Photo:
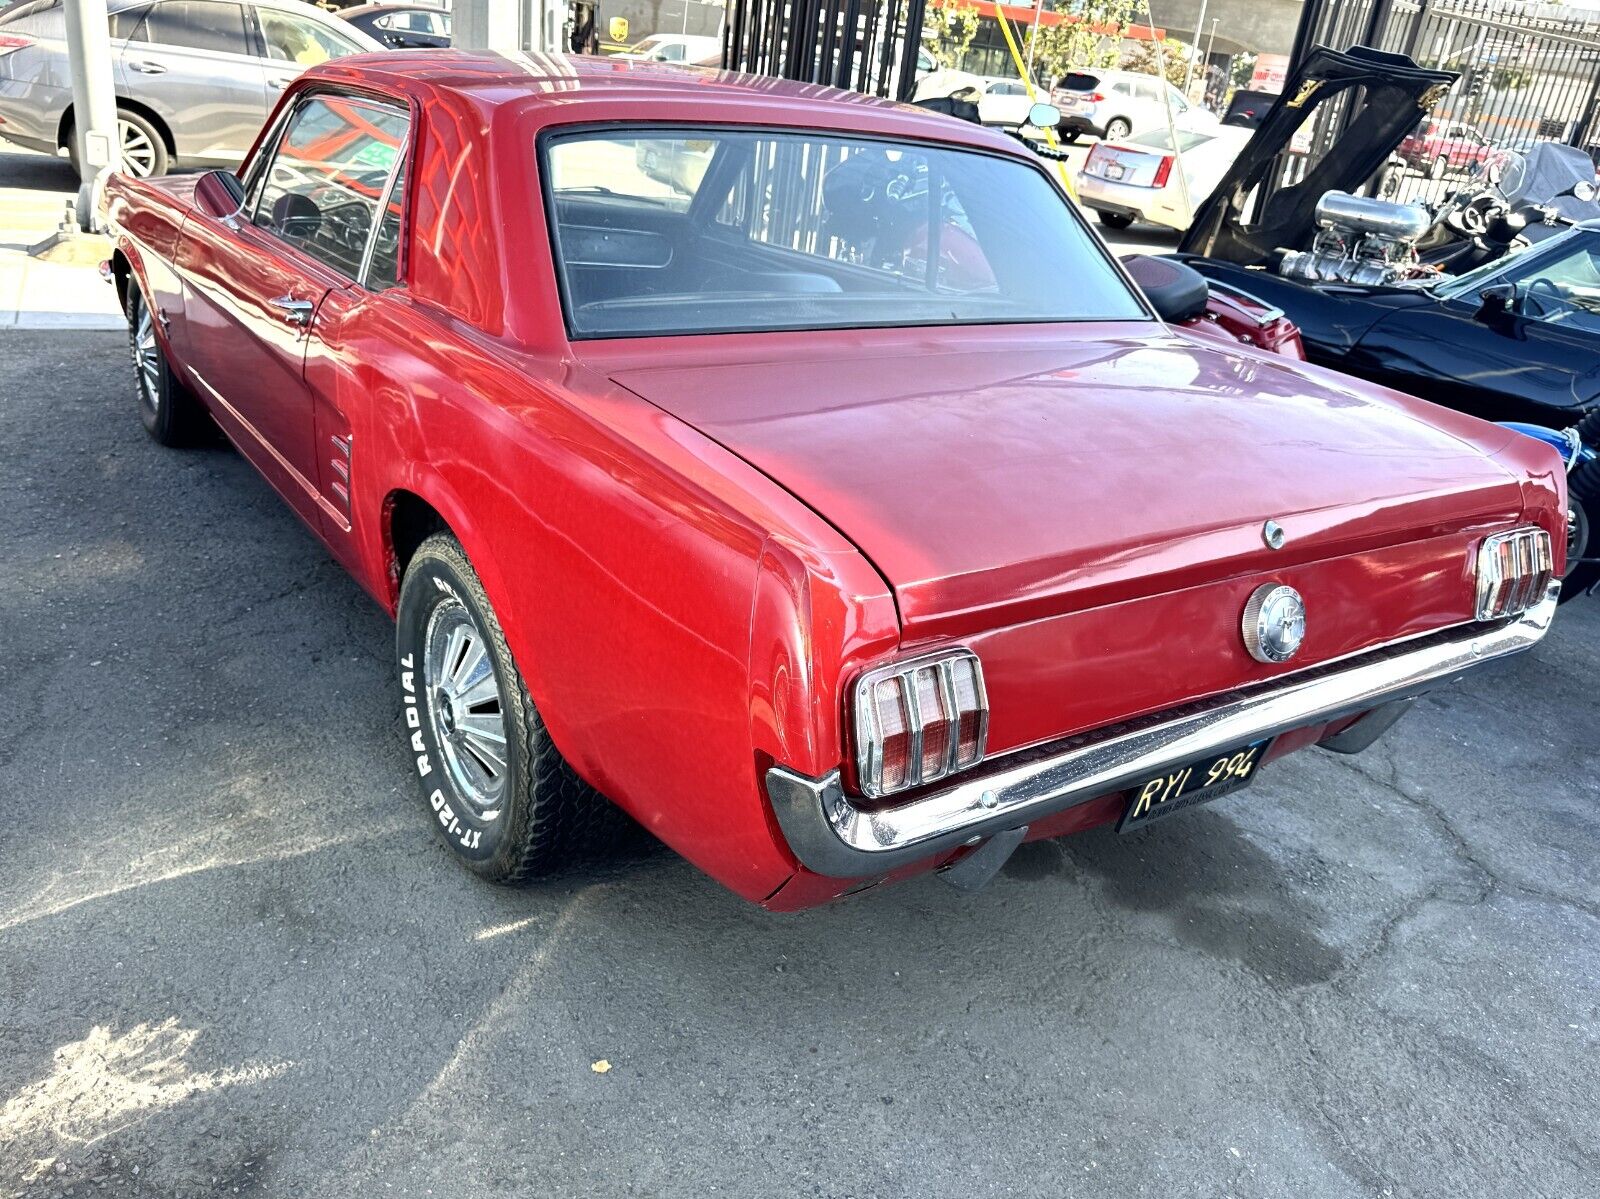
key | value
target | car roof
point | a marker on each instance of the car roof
(578, 86)
(374, 10)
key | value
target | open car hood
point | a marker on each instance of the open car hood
(1397, 94)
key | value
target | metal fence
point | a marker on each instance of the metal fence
(869, 46)
(1528, 72)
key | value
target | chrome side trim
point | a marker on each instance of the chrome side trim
(831, 835)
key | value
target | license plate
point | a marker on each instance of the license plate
(1197, 783)
(1114, 170)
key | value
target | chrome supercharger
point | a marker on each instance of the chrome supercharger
(1360, 239)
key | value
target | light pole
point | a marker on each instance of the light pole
(96, 137)
(1033, 36)
(1188, 75)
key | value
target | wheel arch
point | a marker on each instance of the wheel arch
(157, 122)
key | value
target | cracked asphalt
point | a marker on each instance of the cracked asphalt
(234, 959)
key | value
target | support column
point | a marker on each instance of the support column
(488, 25)
(94, 102)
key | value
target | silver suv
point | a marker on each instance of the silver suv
(195, 78)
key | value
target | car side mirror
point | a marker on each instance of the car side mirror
(1044, 116)
(1499, 299)
(1176, 291)
(219, 194)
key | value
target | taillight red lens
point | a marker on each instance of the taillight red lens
(1097, 97)
(919, 720)
(13, 41)
(1163, 171)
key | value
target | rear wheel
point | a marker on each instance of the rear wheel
(144, 150)
(501, 795)
(1113, 220)
(1583, 531)
(1117, 129)
(1438, 167)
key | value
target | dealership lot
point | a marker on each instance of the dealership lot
(233, 955)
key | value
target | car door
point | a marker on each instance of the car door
(193, 63)
(1539, 362)
(254, 284)
(293, 41)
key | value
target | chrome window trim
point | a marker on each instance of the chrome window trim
(830, 834)
(378, 216)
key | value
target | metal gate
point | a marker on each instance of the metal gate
(1529, 72)
(870, 46)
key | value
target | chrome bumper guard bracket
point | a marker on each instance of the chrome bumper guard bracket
(832, 836)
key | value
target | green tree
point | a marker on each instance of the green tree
(1142, 57)
(1090, 36)
(953, 24)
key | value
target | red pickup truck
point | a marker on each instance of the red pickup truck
(1440, 146)
(793, 502)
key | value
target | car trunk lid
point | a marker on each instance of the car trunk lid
(995, 475)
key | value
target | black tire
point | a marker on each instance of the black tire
(1068, 136)
(540, 815)
(1117, 128)
(166, 409)
(1583, 493)
(1113, 220)
(144, 149)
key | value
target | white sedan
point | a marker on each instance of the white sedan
(1138, 179)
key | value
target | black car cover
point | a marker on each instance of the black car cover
(1382, 95)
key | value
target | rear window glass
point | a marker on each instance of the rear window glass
(1078, 81)
(731, 230)
(1161, 139)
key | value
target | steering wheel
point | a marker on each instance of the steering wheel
(1542, 286)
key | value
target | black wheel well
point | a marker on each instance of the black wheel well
(122, 273)
(410, 520)
(64, 130)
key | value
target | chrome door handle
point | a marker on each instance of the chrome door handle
(148, 68)
(278, 85)
(297, 312)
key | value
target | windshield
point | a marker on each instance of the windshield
(1514, 267)
(716, 230)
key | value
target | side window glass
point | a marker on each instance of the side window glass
(384, 270)
(291, 38)
(196, 25)
(327, 175)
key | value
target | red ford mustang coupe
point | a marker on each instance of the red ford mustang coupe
(798, 471)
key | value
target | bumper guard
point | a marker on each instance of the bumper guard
(832, 836)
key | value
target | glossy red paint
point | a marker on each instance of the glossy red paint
(695, 543)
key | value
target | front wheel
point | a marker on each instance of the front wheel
(500, 794)
(1438, 167)
(167, 411)
(1118, 129)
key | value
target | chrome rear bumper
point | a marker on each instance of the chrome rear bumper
(832, 836)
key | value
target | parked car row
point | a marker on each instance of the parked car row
(195, 79)
(767, 483)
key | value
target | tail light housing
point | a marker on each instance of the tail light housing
(13, 41)
(1163, 171)
(1514, 571)
(919, 720)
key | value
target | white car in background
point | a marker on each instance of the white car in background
(1120, 104)
(1138, 178)
(689, 48)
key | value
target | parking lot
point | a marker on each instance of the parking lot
(234, 957)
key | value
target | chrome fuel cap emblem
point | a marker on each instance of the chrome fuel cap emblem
(1274, 623)
(1272, 533)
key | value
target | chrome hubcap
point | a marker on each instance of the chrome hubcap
(146, 357)
(464, 705)
(138, 154)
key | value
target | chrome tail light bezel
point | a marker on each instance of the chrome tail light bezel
(1531, 557)
(869, 737)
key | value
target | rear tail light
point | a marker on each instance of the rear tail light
(1097, 97)
(13, 41)
(1514, 571)
(919, 720)
(1163, 171)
